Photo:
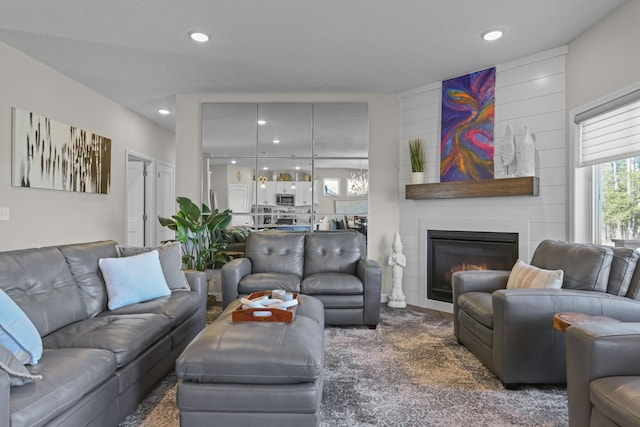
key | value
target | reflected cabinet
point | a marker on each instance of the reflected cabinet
(287, 166)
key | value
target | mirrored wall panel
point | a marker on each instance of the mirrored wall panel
(288, 166)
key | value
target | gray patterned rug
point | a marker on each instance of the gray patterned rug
(409, 372)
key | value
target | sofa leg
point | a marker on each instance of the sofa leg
(511, 386)
(372, 326)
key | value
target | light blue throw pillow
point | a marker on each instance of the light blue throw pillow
(133, 279)
(17, 333)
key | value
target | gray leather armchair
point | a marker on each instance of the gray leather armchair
(330, 266)
(603, 374)
(511, 330)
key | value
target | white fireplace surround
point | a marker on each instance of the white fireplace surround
(499, 225)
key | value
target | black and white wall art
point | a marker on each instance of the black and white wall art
(53, 155)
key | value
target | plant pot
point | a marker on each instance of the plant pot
(417, 177)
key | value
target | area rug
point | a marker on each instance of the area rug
(410, 371)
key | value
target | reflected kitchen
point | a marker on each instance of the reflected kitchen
(287, 166)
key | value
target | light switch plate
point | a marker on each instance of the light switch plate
(4, 214)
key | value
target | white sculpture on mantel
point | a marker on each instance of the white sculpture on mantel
(507, 149)
(398, 262)
(527, 160)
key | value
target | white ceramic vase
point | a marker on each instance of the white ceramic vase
(527, 160)
(417, 177)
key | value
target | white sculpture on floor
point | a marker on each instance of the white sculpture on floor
(398, 261)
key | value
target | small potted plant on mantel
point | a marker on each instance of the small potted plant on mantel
(418, 160)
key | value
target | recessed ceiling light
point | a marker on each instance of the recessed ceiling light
(164, 111)
(262, 122)
(276, 141)
(199, 37)
(233, 162)
(266, 168)
(492, 35)
(297, 168)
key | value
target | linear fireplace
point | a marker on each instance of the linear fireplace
(451, 251)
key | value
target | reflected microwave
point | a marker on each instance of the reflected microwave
(285, 199)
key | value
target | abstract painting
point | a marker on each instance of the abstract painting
(466, 134)
(53, 155)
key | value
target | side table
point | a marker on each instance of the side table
(561, 321)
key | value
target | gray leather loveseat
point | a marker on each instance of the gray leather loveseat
(331, 266)
(97, 363)
(603, 374)
(511, 330)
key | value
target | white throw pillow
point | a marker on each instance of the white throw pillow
(524, 275)
(133, 279)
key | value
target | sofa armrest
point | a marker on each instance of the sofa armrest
(370, 273)
(232, 273)
(523, 333)
(595, 351)
(5, 390)
(475, 281)
(197, 281)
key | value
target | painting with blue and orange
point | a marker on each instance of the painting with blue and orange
(466, 136)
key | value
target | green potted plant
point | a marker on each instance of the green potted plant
(196, 230)
(418, 160)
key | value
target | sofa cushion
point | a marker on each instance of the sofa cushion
(336, 251)
(133, 279)
(478, 306)
(17, 333)
(585, 266)
(170, 261)
(622, 267)
(332, 284)
(524, 275)
(276, 252)
(617, 398)
(68, 375)
(18, 374)
(266, 281)
(39, 281)
(177, 307)
(82, 259)
(125, 335)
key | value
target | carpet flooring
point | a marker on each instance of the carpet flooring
(409, 372)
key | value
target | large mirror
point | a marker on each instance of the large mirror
(287, 166)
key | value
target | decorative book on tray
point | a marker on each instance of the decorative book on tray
(267, 306)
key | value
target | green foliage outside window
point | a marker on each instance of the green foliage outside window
(620, 195)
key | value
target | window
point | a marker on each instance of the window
(331, 186)
(608, 143)
(617, 202)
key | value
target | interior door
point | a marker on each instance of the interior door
(135, 203)
(166, 199)
(239, 202)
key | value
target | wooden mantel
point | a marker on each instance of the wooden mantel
(520, 186)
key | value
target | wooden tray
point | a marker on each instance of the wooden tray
(246, 314)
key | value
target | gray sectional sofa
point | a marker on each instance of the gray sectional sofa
(330, 266)
(511, 330)
(97, 363)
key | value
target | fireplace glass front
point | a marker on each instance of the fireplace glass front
(451, 251)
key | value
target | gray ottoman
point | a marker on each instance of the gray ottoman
(254, 373)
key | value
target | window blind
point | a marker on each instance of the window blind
(610, 131)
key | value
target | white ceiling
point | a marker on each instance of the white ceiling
(137, 52)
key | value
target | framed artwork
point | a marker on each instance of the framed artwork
(466, 132)
(52, 155)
